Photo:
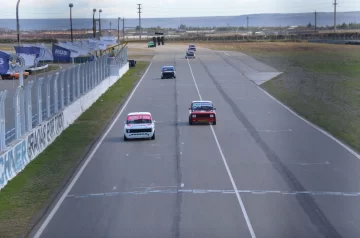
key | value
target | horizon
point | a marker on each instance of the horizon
(224, 16)
(45, 9)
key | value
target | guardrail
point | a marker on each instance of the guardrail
(39, 100)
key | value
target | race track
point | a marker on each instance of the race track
(260, 172)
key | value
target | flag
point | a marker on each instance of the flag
(61, 54)
(4, 62)
(75, 52)
(108, 40)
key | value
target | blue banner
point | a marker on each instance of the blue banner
(4, 62)
(60, 54)
(29, 50)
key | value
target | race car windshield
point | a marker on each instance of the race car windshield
(168, 69)
(138, 120)
(202, 107)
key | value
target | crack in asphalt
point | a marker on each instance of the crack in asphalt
(308, 204)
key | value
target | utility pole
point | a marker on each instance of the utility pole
(94, 23)
(315, 21)
(247, 23)
(110, 25)
(17, 22)
(139, 8)
(118, 29)
(335, 3)
(123, 30)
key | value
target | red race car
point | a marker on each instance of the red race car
(202, 111)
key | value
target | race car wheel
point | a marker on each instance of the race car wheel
(125, 138)
(214, 123)
(190, 122)
(153, 137)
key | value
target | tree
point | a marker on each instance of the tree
(137, 28)
(309, 25)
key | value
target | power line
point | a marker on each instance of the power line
(139, 8)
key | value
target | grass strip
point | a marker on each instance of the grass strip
(38, 184)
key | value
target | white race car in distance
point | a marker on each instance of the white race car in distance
(139, 125)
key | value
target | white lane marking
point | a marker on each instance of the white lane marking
(227, 167)
(353, 152)
(88, 159)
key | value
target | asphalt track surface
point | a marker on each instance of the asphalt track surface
(260, 172)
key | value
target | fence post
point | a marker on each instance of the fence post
(82, 78)
(48, 98)
(86, 77)
(17, 113)
(22, 111)
(67, 85)
(61, 81)
(2, 120)
(28, 103)
(73, 79)
(39, 99)
(93, 70)
(78, 78)
(56, 96)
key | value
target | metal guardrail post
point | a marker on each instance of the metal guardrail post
(56, 94)
(48, 98)
(2, 120)
(28, 103)
(39, 99)
(17, 113)
(61, 82)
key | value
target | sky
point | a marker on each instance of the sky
(167, 8)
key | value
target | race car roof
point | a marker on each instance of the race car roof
(139, 113)
(168, 67)
(201, 102)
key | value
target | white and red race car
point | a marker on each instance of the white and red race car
(139, 125)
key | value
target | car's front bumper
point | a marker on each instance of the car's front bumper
(210, 119)
(139, 135)
(168, 75)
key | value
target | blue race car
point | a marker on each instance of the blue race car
(168, 72)
(192, 47)
(189, 54)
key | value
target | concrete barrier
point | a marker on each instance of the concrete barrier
(21, 152)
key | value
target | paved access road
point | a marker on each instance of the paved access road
(260, 172)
